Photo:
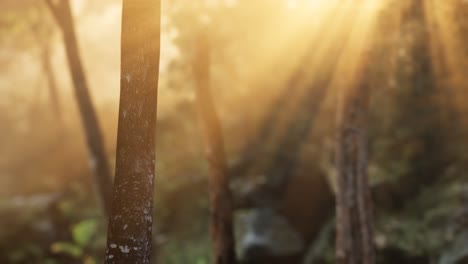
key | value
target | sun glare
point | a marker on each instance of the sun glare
(309, 16)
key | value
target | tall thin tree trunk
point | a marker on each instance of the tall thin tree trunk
(354, 214)
(130, 224)
(354, 219)
(96, 149)
(222, 235)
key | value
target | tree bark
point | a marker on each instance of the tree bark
(354, 220)
(354, 214)
(130, 224)
(222, 234)
(97, 154)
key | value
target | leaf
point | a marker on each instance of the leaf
(84, 231)
(67, 248)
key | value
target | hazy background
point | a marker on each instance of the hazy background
(273, 73)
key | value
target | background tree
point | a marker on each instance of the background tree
(222, 233)
(354, 218)
(129, 238)
(62, 13)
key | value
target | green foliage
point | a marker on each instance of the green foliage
(84, 231)
(196, 251)
(67, 248)
(83, 234)
(426, 224)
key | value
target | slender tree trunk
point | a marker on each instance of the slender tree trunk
(130, 225)
(97, 154)
(354, 219)
(222, 235)
(354, 214)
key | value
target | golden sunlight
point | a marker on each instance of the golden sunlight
(255, 120)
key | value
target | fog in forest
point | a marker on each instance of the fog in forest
(303, 90)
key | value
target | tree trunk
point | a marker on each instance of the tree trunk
(354, 214)
(130, 225)
(97, 154)
(222, 235)
(354, 223)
